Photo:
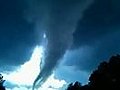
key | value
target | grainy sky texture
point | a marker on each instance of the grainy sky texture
(79, 33)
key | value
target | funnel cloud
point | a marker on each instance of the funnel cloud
(58, 19)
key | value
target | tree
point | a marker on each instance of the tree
(106, 76)
(75, 86)
(1, 82)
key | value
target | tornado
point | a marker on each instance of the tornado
(58, 19)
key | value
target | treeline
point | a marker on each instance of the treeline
(106, 76)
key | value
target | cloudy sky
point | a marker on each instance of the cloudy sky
(50, 43)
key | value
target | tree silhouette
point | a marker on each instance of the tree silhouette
(1, 82)
(75, 86)
(106, 76)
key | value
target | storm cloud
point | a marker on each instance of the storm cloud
(89, 30)
(17, 36)
(97, 35)
(100, 19)
(58, 19)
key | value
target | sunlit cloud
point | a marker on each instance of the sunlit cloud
(52, 83)
(27, 72)
(25, 75)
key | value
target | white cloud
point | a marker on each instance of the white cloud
(27, 72)
(52, 83)
(19, 88)
(25, 75)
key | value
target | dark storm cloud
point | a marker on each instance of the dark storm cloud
(17, 37)
(101, 18)
(59, 20)
(87, 57)
(97, 35)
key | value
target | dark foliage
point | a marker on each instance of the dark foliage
(74, 86)
(106, 76)
(1, 82)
